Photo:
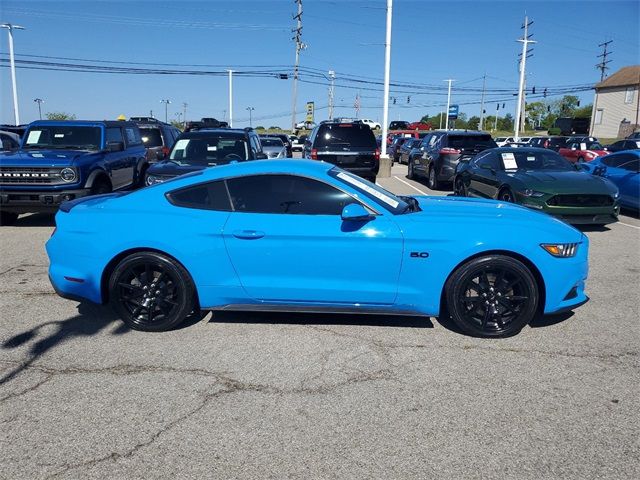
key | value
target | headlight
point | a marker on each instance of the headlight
(532, 193)
(562, 250)
(68, 174)
(152, 180)
(616, 195)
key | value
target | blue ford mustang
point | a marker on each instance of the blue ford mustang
(307, 236)
(623, 169)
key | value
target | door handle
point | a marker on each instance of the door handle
(248, 234)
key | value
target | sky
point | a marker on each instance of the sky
(431, 41)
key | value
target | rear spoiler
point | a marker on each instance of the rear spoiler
(68, 205)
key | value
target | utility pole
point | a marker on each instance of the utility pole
(250, 109)
(39, 101)
(602, 66)
(446, 113)
(332, 77)
(166, 110)
(525, 40)
(10, 28)
(184, 114)
(299, 46)
(484, 84)
(356, 105)
(230, 98)
(387, 73)
(496, 124)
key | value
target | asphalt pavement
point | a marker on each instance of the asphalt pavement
(244, 395)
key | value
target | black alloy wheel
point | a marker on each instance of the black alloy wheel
(151, 292)
(492, 296)
(506, 195)
(433, 183)
(461, 190)
(8, 218)
(100, 187)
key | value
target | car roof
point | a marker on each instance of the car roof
(289, 166)
(520, 150)
(83, 123)
(632, 151)
(203, 132)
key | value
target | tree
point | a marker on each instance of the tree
(506, 122)
(274, 128)
(177, 124)
(473, 123)
(260, 127)
(60, 116)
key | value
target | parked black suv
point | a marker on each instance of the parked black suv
(552, 143)
(351, 146)
(197, 150)
(440, 152)
(158, 137)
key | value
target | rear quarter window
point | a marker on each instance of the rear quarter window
(345, 136)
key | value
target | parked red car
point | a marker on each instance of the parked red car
(419, 126)
(586, 151)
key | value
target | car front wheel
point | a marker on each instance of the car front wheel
(460, 188)
(151, 292)
(492, 296)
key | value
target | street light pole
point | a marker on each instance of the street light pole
(446, 113)
(166, 110)
(387, 73)
(10, 28)
(250, 109)
(39, 101)
(231, 98)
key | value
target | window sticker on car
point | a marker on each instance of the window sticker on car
(37, 155)
(372, 191)
(58, 135)
(583, 146)
(182, 144)
(509, 161)
(34, 136)
(212, 148)
(531, 159)
(638, 144)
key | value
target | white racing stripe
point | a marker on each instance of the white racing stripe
(409, 185)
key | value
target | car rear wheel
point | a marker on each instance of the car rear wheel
(8, 218)
(411, 175)
(506, 195)
(433, 182)
(151, 292)
(492, 296)
(460, 189)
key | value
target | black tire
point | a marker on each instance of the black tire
(142, 176)
(411, 174)
(506, 195)
(151, 292)
(580, 160)
(460, 189)
(492, 296)
(432, 179)
(8, 218)
(100, 186)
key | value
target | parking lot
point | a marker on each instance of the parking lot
(241, 395)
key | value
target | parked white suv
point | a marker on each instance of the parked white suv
(372, 125)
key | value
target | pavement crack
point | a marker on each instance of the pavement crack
(34, 387)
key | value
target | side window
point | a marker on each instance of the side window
(8, 143)
(286, 194)
(479, 158)
(632, 165)
(205, 196)
(427, 140)
(255, 147)
(490, 160)
(114, 134)
(133, 136)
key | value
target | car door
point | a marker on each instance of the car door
(117, 163)
(622, 169)
(288, 243)
(484, 181)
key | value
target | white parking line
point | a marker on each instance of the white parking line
(627, 225)
(409, 185)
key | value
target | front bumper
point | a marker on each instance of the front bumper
(37, 201)
(573, 215)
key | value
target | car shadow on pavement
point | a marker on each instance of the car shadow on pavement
(290, 318)
(592, 228)
(90, 320)
(540, 321)
(36, 220)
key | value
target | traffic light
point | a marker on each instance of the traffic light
(545, 93)
(533, 90)
(548, 108)
(394, 100)
(498, 106)
(503, 106)
(408, 99)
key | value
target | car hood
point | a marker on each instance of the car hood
(170, 169)
(488, 215)
(562, 181)
(42, 158)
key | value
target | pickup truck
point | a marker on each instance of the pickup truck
(64, 160)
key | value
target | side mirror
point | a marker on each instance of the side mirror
(261, 156)
(160, 155)
(354, 212)
(115, 146)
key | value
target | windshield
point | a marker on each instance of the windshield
(372, 191)
(209, 150)
(471, 142)
(271, 142)
(63, 137)
(344, 136)
(523, 160)
(151, 136)
(594, 146)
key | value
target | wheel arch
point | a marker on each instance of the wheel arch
(507, 253)
(97, 174)
(111, 265)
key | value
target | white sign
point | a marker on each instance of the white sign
(509, 161)
(34, 136)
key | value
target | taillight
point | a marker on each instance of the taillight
(377, 154)
(546, 144)
(165, 151)
(314, 154)
(448, 151)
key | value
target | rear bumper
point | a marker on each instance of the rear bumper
(37, 201)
